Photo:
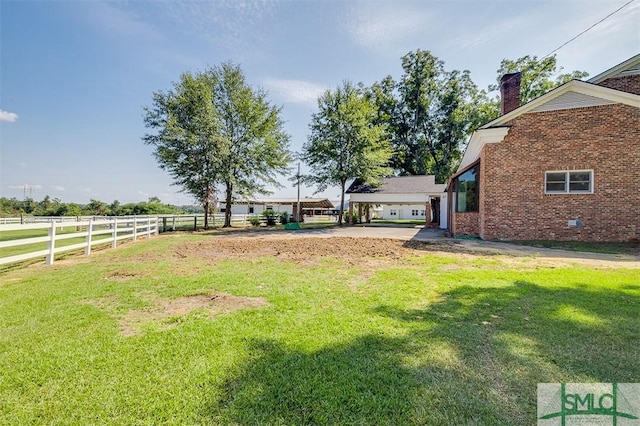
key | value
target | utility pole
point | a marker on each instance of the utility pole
(298, 209)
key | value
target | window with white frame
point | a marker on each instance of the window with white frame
(423, 212)
(568, 182)
(415, 213)
(393, 212)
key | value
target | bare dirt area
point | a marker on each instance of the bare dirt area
(351, 250)
(167, 313)
(381, 251)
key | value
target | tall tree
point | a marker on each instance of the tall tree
(430, 112)
(256, 145)
(537, 75)
(345, 143)
(213, 128)
(187, 143)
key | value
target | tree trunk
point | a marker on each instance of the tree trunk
(227, 210)
(341, 209)
(206, 214)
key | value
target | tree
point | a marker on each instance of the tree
(536, 79)
(256, 145)
(536, 75)
(188, 144)
(215, 129)
(345, 143)
(430, 113)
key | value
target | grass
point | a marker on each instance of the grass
(432, 339)
(593, 247)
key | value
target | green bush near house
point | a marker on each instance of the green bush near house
(270, 216)
(254, 220)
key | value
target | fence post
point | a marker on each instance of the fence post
(87, 249)
(148, 227)
(164, 224)
(135, 228)
(195, 222)
(114, 242)
(52, 243)
(157, 226)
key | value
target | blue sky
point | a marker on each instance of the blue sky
(74, 76)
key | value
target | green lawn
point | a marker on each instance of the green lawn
(431, 338)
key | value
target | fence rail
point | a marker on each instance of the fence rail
(90, 232)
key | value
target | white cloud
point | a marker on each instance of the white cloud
(8, 116)
(489, 34)
(294, 91)
(58, 187)
(122, 23)
(386, 26)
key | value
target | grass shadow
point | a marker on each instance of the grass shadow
(362, 382)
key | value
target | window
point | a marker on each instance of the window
(250, 209)
(466, 190)
(422, 212)
(393, 212)
(568, 181)
(415, 213)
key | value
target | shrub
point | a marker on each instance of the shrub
(254, 220)
(284, 218)
(270, 216)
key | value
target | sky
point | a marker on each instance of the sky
(76, 75)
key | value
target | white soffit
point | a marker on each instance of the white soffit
(570, 100)
(479, 138)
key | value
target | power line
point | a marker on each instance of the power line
(599, 22)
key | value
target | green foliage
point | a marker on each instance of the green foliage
(254, 220)
(429, 114)
(55, 207)
(271, 216)
(188, 143)
(345, 143)
(284, 218)
(537, 75)
(213, 128)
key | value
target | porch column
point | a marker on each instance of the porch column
(427, 211)
(350, 221)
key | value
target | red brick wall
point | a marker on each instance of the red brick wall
(605, 139)
(465, 223)
(630, 83)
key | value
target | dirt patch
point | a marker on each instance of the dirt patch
(167, 313)
(122, 276)
(301, 250)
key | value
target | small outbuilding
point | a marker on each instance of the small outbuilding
(398, 198)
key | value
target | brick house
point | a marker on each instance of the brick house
(565, 166)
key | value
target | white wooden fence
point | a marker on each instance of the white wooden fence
(116, 229)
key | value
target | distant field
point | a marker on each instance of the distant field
(212, 329)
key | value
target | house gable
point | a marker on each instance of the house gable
(630, 67)
(572, 100)
(572, 95)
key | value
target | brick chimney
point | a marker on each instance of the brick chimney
(510, 92)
